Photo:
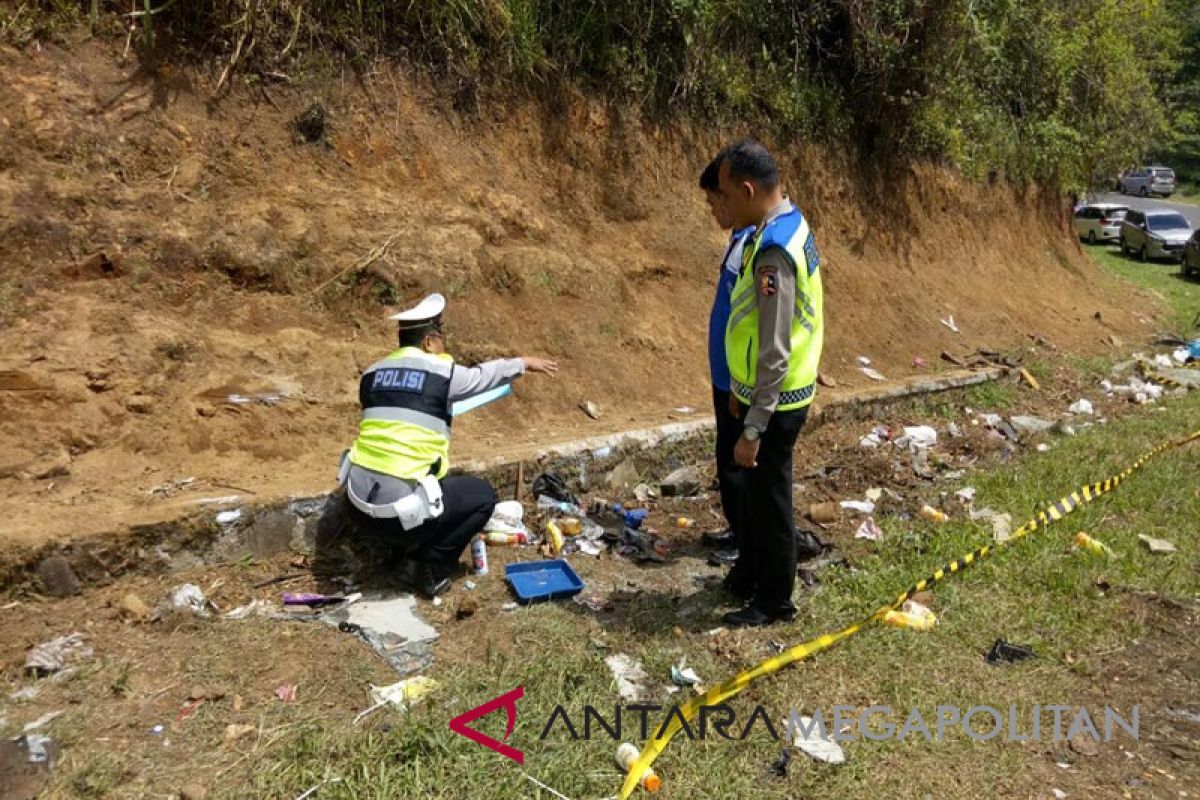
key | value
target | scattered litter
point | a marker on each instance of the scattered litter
(861, 506)
(1162, 360)
(1030, 425)
(400, 695)
(873, 374)
(42, 721)
(1093, 546)
(684, 676)
(307, 793)
(822, 748)
(532, 780)
(1007, 653)
(863, 361)
(918, 363)
(469, 585)
(158, 729)
(218, 501)
(966, 495)
(28, 693)
(52, 656)
(1059, 794)
(684, 410)
(391, 626)
(507, 517)
(313, 600)
(627, 755)
(629, 674)
(824, 513)
(189, 597)
(932, 514)
(229, 517)
(949, 323)
(911, 615)
(644, 493)
(509, 606)
(878, 435)
(874, 494)
(869, 530)
(1081, 406)
(1043, 448)
(1029, 379)
(588, 547)
(1001, 527)
(251, 609)
(286, 692)
(171, 488)
(917, 437)
(235, 732)
(553, 485)
(1157, 545)
(41, 748)
(437, 602)
(1062, 765)
(589, 408)
(779, 767)
(954, 431)
(991, 420)
(534, 581)
(134, 608)
(602, 452)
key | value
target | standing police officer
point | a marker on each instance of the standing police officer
(773, 347)
(395, 473)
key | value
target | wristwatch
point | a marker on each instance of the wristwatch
(751, 433)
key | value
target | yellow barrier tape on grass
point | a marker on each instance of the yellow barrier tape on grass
(806, 650)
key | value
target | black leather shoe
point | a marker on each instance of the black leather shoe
(723, 558)
(723, 539)
(430, 580)
(754, 617)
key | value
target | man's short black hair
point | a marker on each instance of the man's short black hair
(750, 161)
(710, 179)
(415, 336)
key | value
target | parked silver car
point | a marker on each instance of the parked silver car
(1191, 256)
(1099, 222)
(1154, 234)
(1146, 181)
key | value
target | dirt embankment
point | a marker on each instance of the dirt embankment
(190, 290)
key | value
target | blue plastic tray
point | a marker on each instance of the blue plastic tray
(543, 580)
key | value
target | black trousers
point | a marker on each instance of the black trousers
(730, 476)
(468, 503)
(767, 560)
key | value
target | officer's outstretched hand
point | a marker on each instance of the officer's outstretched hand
(542, 365)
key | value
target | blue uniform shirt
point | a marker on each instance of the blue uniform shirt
(731, 265)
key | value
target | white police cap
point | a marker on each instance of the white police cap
(423, 313)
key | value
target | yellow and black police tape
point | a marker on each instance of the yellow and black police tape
(806, 650)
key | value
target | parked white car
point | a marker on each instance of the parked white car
(1099, 222)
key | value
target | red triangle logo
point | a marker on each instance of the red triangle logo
(507, 701)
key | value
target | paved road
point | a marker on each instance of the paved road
(1192, 212)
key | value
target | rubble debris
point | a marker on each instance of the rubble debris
(861, 506)
(134, 608)
(629, 675)
(824, 513)
(966, 495)
(189, 597)
(683, 482)
(1161, 546)
(878, 435)
(58, 579)
(390, 625)
(1081, 407)
(553, 485)
(228, 517)
(684, 676)
(54, 655)
(949, 323)
(1030, 425)
(917, 437)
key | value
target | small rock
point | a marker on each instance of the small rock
(683, 482)
(134, 608)
(140, 404)
(1157, 545)
(57, 576)
(623, 474)
(826, 380)
(193, 791)
(1115, 341)
(1028, 425)
(589, 408)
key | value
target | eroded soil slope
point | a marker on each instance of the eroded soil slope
(190, 290)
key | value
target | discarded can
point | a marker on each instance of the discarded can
(685, 522)
(570, 526)
(496, 537)
(1093, 546)
(556, 537)
(626, 756)
(479, 556)
(933, 515)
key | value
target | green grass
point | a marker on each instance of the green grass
(1187, 193)
(1037, 592)
(1180, 294)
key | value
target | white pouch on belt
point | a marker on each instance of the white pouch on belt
(424, 504)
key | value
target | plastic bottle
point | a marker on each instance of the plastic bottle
(1093, 546)
(556, 537)
(479, 556)
(547, 503)
(932, 514)
(626, 756)
(496, 537)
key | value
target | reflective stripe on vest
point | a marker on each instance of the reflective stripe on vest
(405, 425)
(789, 233)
